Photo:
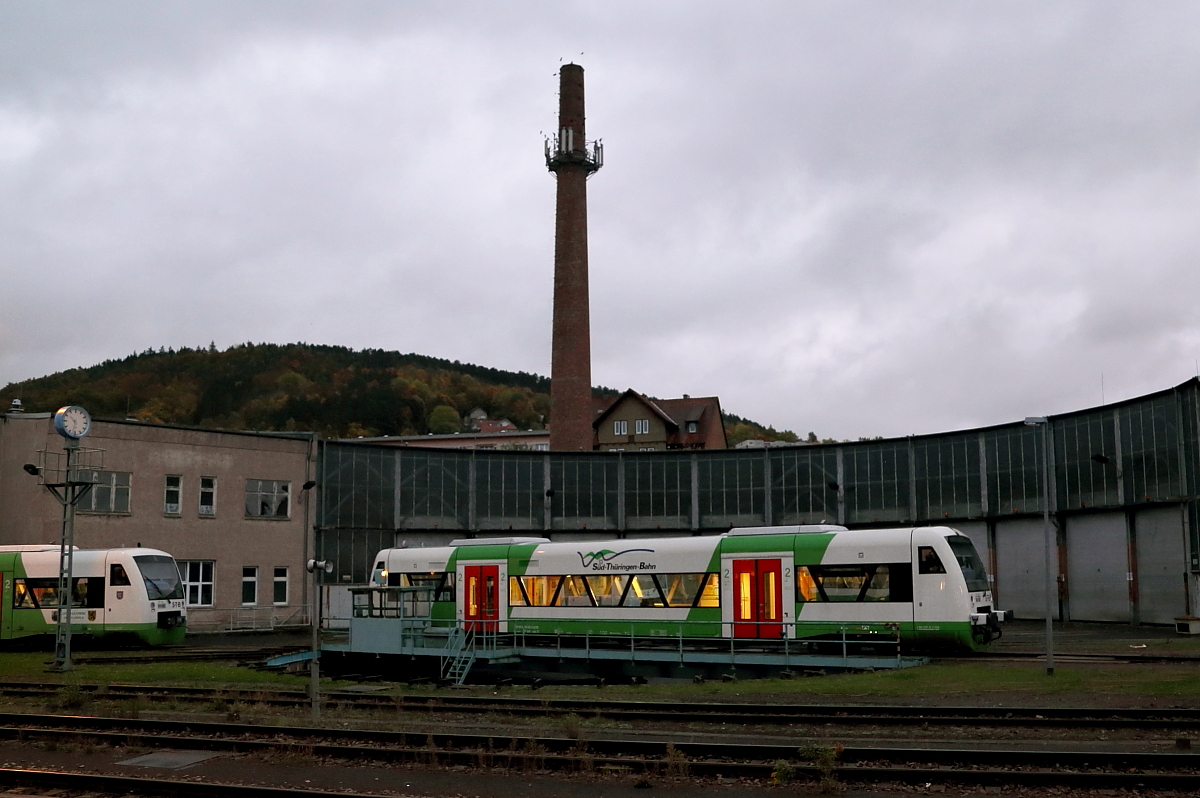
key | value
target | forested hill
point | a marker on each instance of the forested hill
(332, 390)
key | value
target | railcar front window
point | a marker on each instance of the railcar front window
(968, 560)
(161, 575)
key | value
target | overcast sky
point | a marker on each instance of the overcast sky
(853, 218)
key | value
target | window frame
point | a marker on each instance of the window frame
(620, 427)
(177, 488)
(110, 482)
(280, 493)
(276, 581)
(212, 491)
(200, 583)
(249, 577)
(641, 426)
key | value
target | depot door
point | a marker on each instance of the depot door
(757, 598)
(481, 608)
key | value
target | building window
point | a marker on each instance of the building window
(197, 576)
(279, 593)
(693, 427)
(249, 585)
(208, 495)
(641, 426)
(109, 493)
(620, 428)
(647, 449)
(171, 494)
(266, 498)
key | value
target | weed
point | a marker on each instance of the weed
(71, 697)
(783, 772)
(534, 757)
(572, 726)
(824, 758)
(585, 760)
(677, 764)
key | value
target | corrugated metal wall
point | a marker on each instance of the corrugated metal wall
(1138, 454)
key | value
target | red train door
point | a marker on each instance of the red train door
(481, 607)
(757, 598)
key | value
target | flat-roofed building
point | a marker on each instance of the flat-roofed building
(229, 506)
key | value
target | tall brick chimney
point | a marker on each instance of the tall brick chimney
(568, 157)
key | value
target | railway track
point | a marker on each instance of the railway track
(1180, 719)
(975, 766)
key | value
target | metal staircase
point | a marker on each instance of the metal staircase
(460, 655)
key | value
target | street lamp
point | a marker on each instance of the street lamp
(316, 567)
(1051, 569)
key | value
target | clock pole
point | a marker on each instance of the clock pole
(72, 493)
(69, 479)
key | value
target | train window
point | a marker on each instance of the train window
(928, 561)
(161, 575)
(843, 583)
(806, 586)
(643, 592)
(516, 593)
(607, 590)
(710, 594)
(22, 597)
(575, 593)
(968, 560)
(682, 589)
(441, 585)
(540, 591)
(86, 592)
(117, 576)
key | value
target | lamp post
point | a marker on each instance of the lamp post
(316, 567)
(1051, 569)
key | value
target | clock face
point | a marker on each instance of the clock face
(72, 421)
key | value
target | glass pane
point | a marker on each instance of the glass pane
(206, 570)
(806, 586)
(841, 583)
(540, 589)
(206, 593)
(161, 576)
(681, 589)
(769, 595)
(574, 593)
(968, 560)
(643, 592)
(121, 500)
(607, 589)
(280, 596)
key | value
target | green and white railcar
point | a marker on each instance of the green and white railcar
(802, 582)
(132, 592)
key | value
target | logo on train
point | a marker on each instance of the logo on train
(603, 560)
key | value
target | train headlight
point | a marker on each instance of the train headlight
(381, 577)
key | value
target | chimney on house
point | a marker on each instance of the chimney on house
(572, 162)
